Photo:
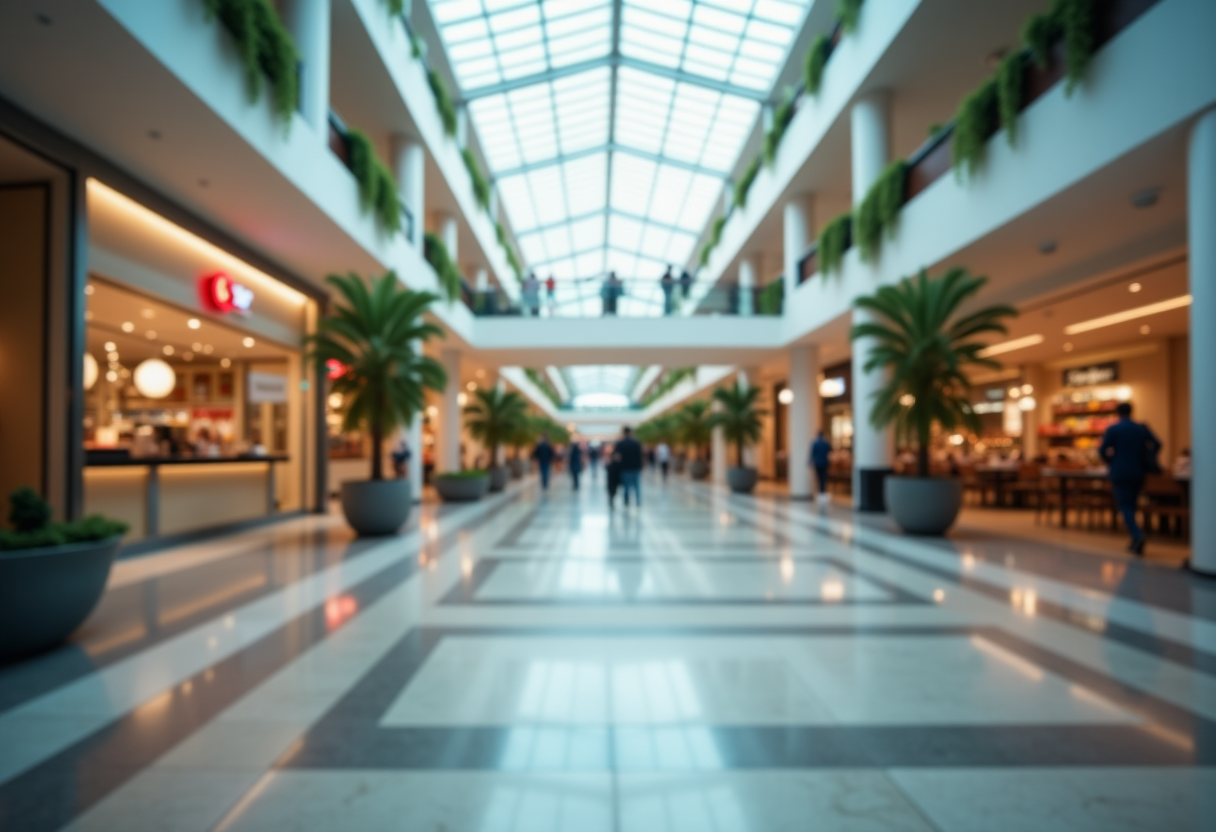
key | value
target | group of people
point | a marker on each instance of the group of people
(623, 462)
(612, 289)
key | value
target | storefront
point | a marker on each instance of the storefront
(197, 404)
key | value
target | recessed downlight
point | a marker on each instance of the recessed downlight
(1135, 287)
(127, 326)
(248, 341)
(194, 323)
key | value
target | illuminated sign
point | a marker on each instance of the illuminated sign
(223, 294)
(1103, 373)
(335, 369)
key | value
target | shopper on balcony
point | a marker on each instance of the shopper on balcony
(1130, 451)
(628, 454)
(551, 294)
(668, 284)
(531, 293)
(610, 292)
(685, 283)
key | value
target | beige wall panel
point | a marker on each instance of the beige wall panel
(120, 493)
(198, 496)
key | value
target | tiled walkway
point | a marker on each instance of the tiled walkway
(705, 662)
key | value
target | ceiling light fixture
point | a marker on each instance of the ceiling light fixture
(1135, 287)
(1130, 315)
(1010, 346)
(127, 326)
(194, 323)
(247, 341)
(111, 346)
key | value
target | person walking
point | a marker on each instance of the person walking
(574, 462)
(668, 284)
(628, 454)
(662, 453)
(612, 470)
(543, 454)
(593, 458)
(821, 451)
(1130, 451)
(551, 294)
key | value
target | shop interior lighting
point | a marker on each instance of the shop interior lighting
(1135, 287)
(1010, 346)
(830, 388)
(194, 323)
(1026, 403)
(154, 379)
(88, 290)
(90, 371)
(248, 341)
(1129, 315)
(127, 326)
(150, 334)
(111, 346)
(785, 396)
(168, 349)
(225, 363)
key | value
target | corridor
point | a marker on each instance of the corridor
(535, 663)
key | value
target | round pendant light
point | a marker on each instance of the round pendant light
(154, 379)
(90, 371)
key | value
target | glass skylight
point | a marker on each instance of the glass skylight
(608, 380)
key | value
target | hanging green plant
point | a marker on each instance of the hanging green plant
(1009, 80)
(265, 47)
(771, 298)
(481, 186)
(783, 114)
(706, 251)
(715, 236)
(1075, 22)
(394, 6)
(443, 102)
(417, 45)
(512, 260)
(816, 60)
(745, 182)
(437, 255)
(973, 124)
(377, 188)
(848, 12)
(878, 212)
(834, 241)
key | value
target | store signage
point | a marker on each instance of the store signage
(223, 294)
(1093, 374)
(266, 388)
(335, 369)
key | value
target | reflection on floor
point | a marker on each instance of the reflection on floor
(706, 662)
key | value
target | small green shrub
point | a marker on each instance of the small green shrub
(481, 186)
(265, 47)
(470, 474)
(1009, 82)
(878, 212)
(783, 114)
(973, 124)
(436, 253)
(848, 12)
(745, 182)
(377, 187)
(443, 102)
(816, 60)
(30, 517)
(834, 242)
(771, 298)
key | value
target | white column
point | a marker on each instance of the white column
(871, 148)
(409, 166)
(873, 450)
(752, 455)
(1201, 220)
(447, 456)
(802, 417)
(449, 232)
(747, 281)
(483, 280)
(308, 22)
(798, 232)
(462, 126)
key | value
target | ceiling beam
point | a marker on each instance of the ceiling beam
(610, 147)
(616, 212)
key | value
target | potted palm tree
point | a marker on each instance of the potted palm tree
(522, 437)
(740, 420)
(921, 340)
(695, 431)
(51, 574)
(375, 336)
(493, 418)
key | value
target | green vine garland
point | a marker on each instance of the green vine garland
(437, 255)
(973, 124)
(816, 60)
(878, 212)
(848, 12)
(834, 242)
(481, 186)
(443, 102)
(377, 188)
(265, 47)
(745, 182)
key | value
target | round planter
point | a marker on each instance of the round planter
(45, 594)
(924, 505)
(742, 480)
(376, 507)
(518, 468)
(499, 475)
(698, 469)
(462, 489)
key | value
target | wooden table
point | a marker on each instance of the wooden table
(1067, 475)
(998, 475)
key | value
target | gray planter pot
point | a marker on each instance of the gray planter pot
(376, 507)
(698, 469)
(45, 594)
(742, 480)
(924, 505)
(499, 475)
(462, 489)
(518, 468)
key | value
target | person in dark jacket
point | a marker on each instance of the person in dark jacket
(1130, 451)
(574, 462)
(628, 453)
(543, 454)
(821, 448)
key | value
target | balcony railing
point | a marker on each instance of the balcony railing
(597, 297)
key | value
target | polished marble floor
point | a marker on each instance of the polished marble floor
(537, 663)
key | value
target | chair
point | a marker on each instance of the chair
(1162, 500)
(1028, 485)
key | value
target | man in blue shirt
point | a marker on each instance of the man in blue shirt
(1130, 451)
(543, 454)
(628, 454)
(820, 449)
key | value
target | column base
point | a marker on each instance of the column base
(869, 484)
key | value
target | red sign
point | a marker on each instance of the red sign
(334, 368)
(223, 294)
